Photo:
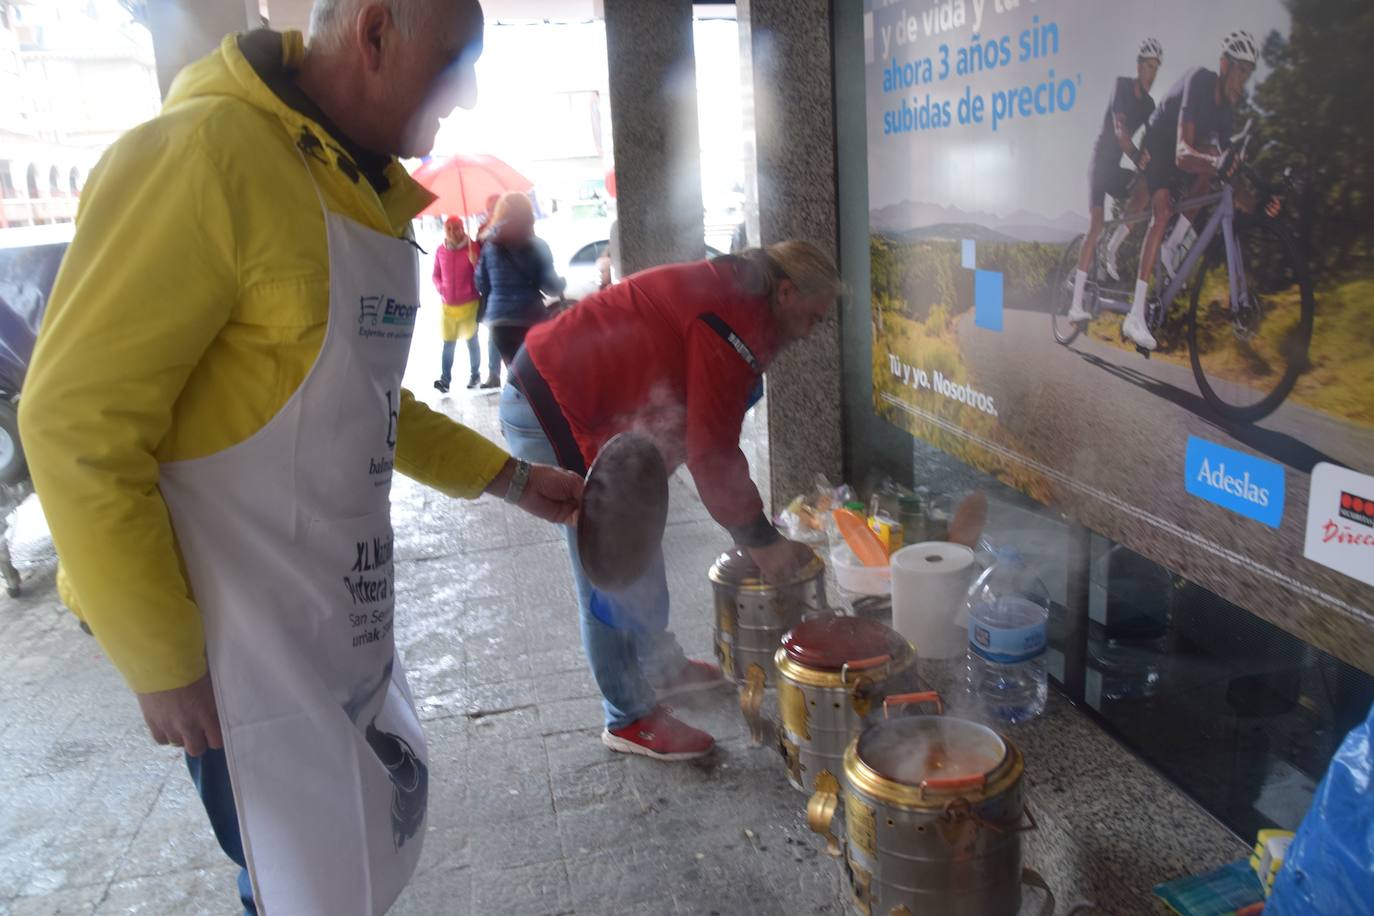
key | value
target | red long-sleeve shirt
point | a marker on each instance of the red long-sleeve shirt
(638, 355)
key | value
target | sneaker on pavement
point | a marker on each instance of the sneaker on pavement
(441, 385)
(661, 736)
(694, 676)
(1134, 328)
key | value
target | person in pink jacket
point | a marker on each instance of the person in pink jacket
(453, 277)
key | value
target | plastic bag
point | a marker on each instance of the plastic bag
(1329, 870)
(804, 519)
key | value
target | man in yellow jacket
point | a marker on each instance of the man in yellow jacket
(212, 417)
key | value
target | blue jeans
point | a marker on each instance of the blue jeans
(474, 359)
(626, 662)
(210, 773)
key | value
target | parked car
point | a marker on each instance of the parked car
(29, 258)
(584, 273)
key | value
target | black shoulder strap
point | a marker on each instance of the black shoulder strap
(727, 334)
(524, 274)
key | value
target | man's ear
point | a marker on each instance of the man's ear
(785, 295)
(372, 25)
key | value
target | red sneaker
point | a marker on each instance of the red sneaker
(661, 736)
(694, 676)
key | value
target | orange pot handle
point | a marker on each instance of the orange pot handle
(863, 664)
(908, 699)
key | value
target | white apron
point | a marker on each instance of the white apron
(287, 541)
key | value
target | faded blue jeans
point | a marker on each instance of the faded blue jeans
(210, 773)
(474, 359)
(625, 662)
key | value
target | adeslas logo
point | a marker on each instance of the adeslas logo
(1242, 486)
(1242, 483)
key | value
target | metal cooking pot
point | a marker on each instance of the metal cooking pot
(751, 618)
(831, 671)
(933, 817)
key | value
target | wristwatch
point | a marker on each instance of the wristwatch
(518, 481)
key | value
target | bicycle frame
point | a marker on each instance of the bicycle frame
(1223, 219)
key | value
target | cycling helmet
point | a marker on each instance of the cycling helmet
(1151, 47)
(1239, 45)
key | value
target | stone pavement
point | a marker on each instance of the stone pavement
(529, 814)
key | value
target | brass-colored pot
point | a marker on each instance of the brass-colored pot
(750, 620)
(831, 672)
(933, 811)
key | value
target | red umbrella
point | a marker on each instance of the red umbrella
(463, 183)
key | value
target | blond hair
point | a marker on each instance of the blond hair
(513, 205)
(806, 265)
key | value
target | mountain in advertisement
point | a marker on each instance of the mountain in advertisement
(913, 219)
(954, 232)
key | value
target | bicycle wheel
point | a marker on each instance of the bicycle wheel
(1248, 355)
(1061, 294)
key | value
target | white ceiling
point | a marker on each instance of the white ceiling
(293, 14)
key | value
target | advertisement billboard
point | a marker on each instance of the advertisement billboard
(1122, 260)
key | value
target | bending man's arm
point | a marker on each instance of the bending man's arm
(145, 287)
(718, 385)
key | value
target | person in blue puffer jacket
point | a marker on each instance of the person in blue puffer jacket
(514, 273)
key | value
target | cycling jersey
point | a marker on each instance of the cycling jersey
(1136, 110)
(1107, 176)
(1191, 100)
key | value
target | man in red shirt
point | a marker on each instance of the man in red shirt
(676, 353)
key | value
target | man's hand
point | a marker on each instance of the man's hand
(552, 494)
(185, 717)
(780, 560)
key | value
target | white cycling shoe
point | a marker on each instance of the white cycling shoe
(1109, 265)
(1135, 330)
(1078, 313)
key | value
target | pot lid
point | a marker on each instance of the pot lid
(829, 642)
(931, 749)
(735, 568)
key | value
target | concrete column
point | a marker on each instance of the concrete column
(185, 30)
(654, 122)
(789, 46)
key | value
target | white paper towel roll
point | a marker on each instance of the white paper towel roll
(929, 583)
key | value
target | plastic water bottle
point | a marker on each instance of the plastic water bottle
(1008, 613)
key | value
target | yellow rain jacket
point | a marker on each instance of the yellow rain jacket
(190, 306)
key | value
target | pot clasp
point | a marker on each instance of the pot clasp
(820, 810)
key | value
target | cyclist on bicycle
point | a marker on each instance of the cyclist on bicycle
(1184, 139)
(1127, 110)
